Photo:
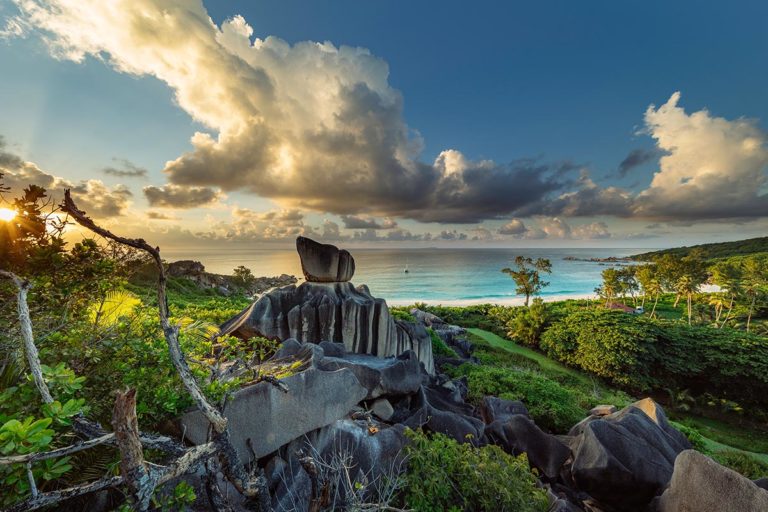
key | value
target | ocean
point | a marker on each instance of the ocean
(436, 276)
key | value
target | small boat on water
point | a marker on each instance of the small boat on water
(406, 269)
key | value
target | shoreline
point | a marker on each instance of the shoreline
(511, 301)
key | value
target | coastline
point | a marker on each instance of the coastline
(511, 301)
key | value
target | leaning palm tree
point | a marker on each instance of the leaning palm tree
(654, 288)
(720, 302)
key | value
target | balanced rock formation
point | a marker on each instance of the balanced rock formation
(332, 311)
(324, 263)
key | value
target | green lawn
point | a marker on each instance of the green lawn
(718, 435)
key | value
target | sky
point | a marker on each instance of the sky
(372, 123)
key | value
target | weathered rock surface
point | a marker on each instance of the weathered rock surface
(700, 484)
(626, 458)
(372, 455)
(271, 418)
(602, 410)
(493, 409)
(390, 376)
(518, 434)
(383, 409)
(436, 409)
(335, 312)
(324, 263)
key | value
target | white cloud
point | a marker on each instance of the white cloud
(712, 168)
(309, 124)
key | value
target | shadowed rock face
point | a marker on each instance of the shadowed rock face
(324, 263)
(337, 312)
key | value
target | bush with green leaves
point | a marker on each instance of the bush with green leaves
(551, 405)
(402, 313)
(444, 475)
(642, 354)
(528, 323)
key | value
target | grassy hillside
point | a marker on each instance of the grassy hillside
(713, 251)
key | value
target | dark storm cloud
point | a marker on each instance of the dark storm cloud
(174, 196)
(125, 169)
(636, 158)
(358, 222)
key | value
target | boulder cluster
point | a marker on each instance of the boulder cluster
(360, 386)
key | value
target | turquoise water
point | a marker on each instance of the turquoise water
(447, 276)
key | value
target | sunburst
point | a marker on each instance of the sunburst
(7, 215)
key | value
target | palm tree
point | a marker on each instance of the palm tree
(719, 301)
(655, 289)
(728, 277)
(686, 286)
(756, 275)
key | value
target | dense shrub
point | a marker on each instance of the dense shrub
(402, 313)
(445, 475)
(551, 405)
(641, 354)
(609, 344)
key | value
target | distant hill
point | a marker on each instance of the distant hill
(713, 251)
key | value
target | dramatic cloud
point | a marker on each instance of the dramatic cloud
(513, 227)
(125, 169)
(636, 158)
(93, 196)
(175, 196)
(358, 222)
(310, 125)
(713, 168)
(587, 200)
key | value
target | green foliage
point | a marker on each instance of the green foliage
(693, 436)
(742, 463)
(552, 406)
(606, 343)
(641, 354)
(445, 475)
(710, 251)
(401, 313)
(21, 438)
(528, 324)
(243, 276)
(439, 348)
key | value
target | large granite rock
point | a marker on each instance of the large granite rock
(271, 418)
(626, 458)
(517, 434)
(438, 409)
(370, 458)
(701, 484)
(493, 409)
(336, 312)
(324, 263)
(390, 376)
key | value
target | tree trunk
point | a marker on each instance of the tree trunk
(33, 357)
(688, 300)
(677, 300)
(728, 314)
(132, 467)
(655, 302)
(751, 308)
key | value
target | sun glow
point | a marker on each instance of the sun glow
(7, 215)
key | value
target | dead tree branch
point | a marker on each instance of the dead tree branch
(33, 358)
(232, 467)
(140, 481)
